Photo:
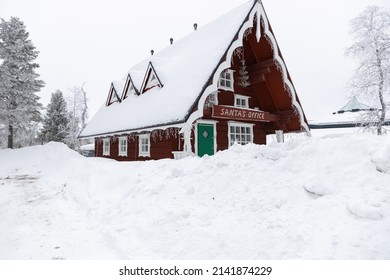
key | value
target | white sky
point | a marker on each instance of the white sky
(98, 41)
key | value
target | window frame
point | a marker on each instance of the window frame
(152, 82)
(149, 83)
(238, 97)
(120, 152)
(106, 153)
(240, 133)
(140, 145)
(223, 78)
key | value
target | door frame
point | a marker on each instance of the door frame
(212, 122)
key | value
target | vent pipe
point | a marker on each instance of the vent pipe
(152, 52)
(171, 40)
(195, 26)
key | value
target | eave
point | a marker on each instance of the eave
(178, 124)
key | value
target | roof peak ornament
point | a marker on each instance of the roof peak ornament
(259, 15)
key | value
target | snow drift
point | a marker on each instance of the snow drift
(306, 199)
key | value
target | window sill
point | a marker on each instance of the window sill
(226, 88)
(145, 155)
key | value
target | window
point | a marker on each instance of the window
(132, 90)
(123, 146)
(112, 97)
(226, 80)
(129, 88)
(151, 79)
(241, 101)
(144, 145)
(240, 133)
(106, 147)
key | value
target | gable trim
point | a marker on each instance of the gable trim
(178, 124)
(196, 103)
(258, 11)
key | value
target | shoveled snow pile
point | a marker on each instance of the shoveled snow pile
(306, 199)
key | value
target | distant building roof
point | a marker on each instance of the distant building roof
(354, 106)
(350, 115)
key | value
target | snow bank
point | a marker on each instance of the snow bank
(36, 158)
(309, 198)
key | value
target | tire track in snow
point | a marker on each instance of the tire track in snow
(43, 223)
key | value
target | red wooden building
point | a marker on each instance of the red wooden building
(222, 84)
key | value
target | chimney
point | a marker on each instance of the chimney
(152, 52)
(195, 26)
(171, 40)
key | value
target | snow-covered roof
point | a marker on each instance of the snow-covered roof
(88, 147)
(183, 68)
(354, 105)
(347, 117)
(349, 114)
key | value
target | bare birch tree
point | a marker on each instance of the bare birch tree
(371, 48)
(78, 114)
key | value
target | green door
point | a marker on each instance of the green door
(205, 139)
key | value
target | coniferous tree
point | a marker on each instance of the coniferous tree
(19, 83)
(56, 121)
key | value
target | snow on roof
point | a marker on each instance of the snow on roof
(88, 147)
(347, 117)
(350, 113)
(183, 68)
(353, 105)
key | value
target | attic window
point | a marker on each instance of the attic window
(112, 97)
(152, 82)
(226, 80)
(241, 101)
(129, 88)
(151, 79)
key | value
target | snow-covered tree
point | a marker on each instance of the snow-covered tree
(56, 121)
(371, 48)
(28, 135)
(19, 83)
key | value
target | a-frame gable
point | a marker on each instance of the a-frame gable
(151, 79)
(112, 96)
(257, 20)
(129, 88)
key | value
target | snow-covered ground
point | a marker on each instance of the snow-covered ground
(309, 198)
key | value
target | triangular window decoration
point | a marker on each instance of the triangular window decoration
(129, 88)
(112, 96)
(151, 79)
